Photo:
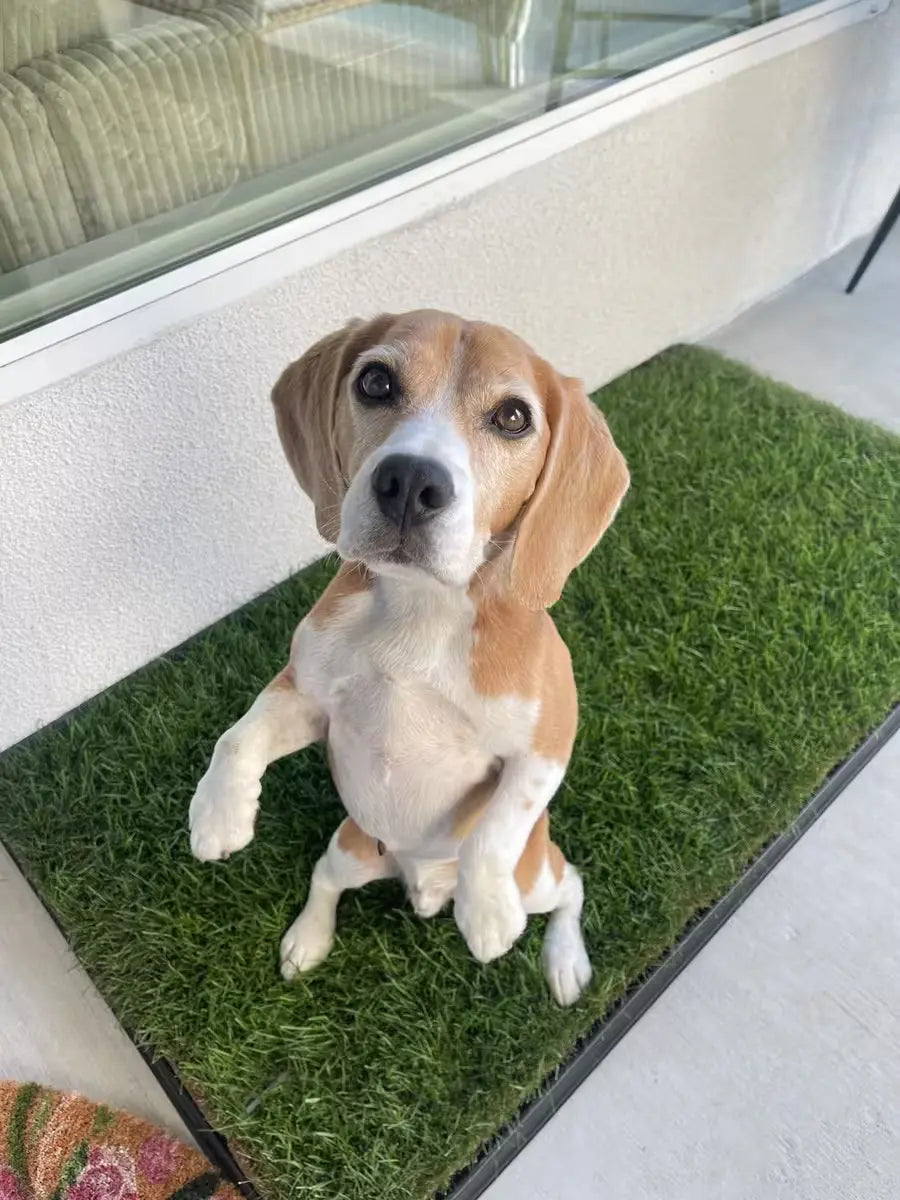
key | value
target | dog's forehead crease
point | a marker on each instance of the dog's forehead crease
(438, 356)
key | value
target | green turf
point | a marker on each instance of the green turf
(734, 636)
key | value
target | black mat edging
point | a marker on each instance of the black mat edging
(474, 1181)
(212, 1143)
(534, 1115)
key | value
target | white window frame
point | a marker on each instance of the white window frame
(61, 347)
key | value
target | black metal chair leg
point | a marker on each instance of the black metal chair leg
(881, 233)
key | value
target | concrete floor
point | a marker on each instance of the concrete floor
(54, 1026)
(841, 348)
(770, 1067)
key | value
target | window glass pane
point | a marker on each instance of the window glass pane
(136, 134)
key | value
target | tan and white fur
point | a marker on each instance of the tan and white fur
(430, 665)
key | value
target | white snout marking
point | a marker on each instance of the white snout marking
(454, 549)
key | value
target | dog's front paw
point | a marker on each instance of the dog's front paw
(222, 814)
(489, 911)
(306, 943)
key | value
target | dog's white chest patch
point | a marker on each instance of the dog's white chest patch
(402, 756)
(407, 734)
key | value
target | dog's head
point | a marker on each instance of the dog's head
(430, 443)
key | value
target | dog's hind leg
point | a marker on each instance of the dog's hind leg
(352, 860)
(549, 884)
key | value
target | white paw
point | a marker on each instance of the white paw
(222, 813)
(489, 911)
(566, 963)
(306, 943)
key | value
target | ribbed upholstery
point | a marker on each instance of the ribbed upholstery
(258, 9)
(99, 134)
(145, 122)
(38, 216)
(294, 105)
(495, 17)
(31, 28)
(193, 7)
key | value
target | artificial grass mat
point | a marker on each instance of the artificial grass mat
(735, 635)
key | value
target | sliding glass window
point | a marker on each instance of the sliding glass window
(138, 134)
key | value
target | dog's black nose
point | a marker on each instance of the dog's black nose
(411, 490)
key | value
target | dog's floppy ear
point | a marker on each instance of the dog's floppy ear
(314, 421)
(580, 488)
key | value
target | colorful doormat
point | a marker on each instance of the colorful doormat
(735, 636)
(60, 1146)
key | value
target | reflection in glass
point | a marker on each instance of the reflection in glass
(136, 134)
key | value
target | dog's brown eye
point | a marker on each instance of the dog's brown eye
(512, 417)
(375, 384)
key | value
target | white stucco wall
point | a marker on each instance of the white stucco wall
(145, 498)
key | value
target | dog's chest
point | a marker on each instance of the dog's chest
(408, 736)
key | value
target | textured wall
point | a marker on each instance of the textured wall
(146, 498)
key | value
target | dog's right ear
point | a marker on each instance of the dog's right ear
(313, 416)
(581, 486)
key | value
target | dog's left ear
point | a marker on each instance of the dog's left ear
(578, 493)
(314, 421)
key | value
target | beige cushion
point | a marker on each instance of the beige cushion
(180, 109)
(193, 7)
(295, 105)
(37, 209)
(145, 122)
(30, 28)
(497, 17)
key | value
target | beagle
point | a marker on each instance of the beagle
(462, 479)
